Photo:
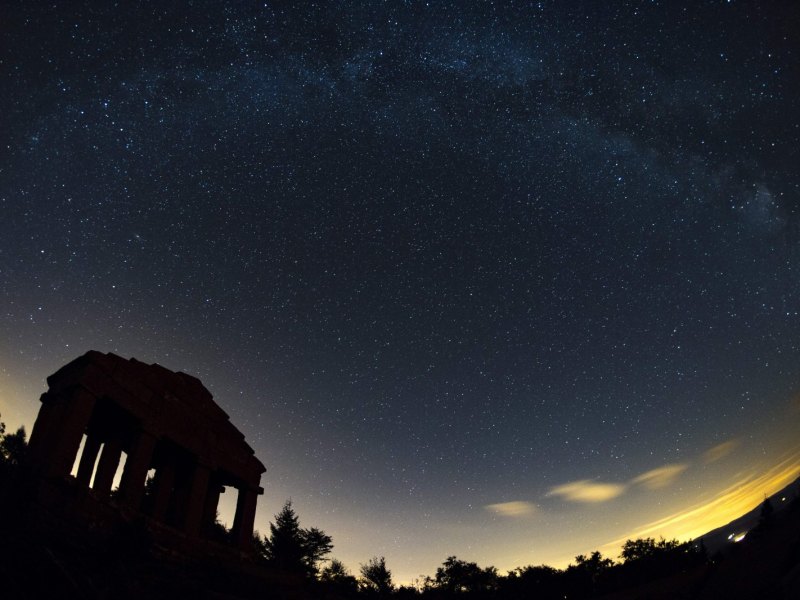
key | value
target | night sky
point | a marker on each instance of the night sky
(511, 281)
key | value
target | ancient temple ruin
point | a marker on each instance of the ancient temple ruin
(180, 449)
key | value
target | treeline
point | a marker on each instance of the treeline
(13, 447)
(304, 556)
(304, 552)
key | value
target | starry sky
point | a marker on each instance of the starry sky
(507, 280)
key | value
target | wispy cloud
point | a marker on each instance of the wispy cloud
(719, 451)
(588, 491)
(661, 477)
(517, 509)
(733, 501)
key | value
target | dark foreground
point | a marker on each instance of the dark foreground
(43, 555)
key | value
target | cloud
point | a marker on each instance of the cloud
(729, 503)
(516, 509)
(660, 477)
(719, 451)
(587, 491)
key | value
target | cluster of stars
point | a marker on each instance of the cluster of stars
(427, 255)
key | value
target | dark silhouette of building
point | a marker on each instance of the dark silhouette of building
(170, 432)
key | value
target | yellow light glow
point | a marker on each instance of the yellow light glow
(587, 491)
(661, 477)
(737, 499)
(517, 508)
(720, 451)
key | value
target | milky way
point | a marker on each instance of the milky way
(502, 281)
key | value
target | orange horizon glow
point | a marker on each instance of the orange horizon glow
(727, 505)
(574, 517)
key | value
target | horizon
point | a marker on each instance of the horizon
(713, 507)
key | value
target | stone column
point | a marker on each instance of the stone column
(212, 502)
(86, 467)
(165, 480)
(45, 433)
(245, 517)
(64, 421)
(197, 499)
(176, 515)
(107, 467)
(133, 477)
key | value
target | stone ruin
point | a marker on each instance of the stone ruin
(180, 448)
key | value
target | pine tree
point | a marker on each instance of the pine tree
(283, 548)
(766, 513)
(293, 549)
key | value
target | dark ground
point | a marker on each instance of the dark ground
(45, 555)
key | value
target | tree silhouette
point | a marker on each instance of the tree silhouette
(643, 549)
(217, 532)
(595, 563)
(542, 582)
(13, 447)
(293, 549)
(647, 559)
(317, 545)
(767, 511)
(586, 576)
(460, 576)
(375, 577)
(284, 547)
(339, 579)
